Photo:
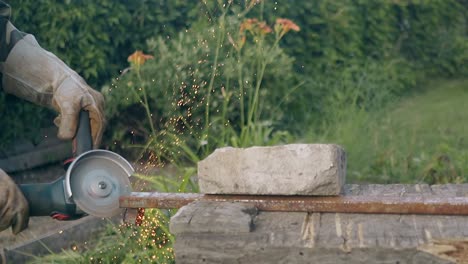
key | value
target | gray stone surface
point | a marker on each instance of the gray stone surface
(209, 217)
(296, 237)
(296, 169)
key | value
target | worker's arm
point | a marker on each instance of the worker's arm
(5, 10)
(34, 74)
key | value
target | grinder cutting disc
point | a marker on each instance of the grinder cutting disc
(95, 181)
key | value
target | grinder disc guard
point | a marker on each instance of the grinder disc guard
(95, 181)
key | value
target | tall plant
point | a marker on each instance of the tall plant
(208, 88)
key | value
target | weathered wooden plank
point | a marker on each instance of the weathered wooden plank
(301, 237)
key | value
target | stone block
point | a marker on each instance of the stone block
(326, 238)
(296, 169)
(208, 217)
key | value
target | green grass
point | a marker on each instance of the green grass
(422, 138)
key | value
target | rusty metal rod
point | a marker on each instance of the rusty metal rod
(326, 204)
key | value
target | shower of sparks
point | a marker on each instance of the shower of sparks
(177, 106)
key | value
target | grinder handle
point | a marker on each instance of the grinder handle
(83, 141)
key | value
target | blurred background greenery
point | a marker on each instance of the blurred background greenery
(387, 80)
(351, 64)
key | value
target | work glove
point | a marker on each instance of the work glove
(34, 74)
(14, 209)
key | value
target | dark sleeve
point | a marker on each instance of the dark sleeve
(9, 35)
(5, 10)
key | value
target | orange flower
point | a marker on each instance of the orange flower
(286, 25)
(254, 26)
(138, 58)
(248, 24)
(264, 28)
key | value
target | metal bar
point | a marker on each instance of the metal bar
(433, 205)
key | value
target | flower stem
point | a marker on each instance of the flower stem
(146, 104)
(240, 82)
(254, 106)
(220, 39)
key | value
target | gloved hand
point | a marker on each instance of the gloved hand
(34, 74)
(14, 209)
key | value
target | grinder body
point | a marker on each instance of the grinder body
(46, 198)
(92, 184)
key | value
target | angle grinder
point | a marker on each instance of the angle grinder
(92, 184)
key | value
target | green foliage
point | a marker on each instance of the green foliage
(203, 91)
(94, 37)
(434, 35)
(120, 244)
(420, 139)
(431, 33)
(349, 95)
(368, 85)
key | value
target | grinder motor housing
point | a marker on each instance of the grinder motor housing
(93, 182)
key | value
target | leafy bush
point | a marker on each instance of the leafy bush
(368, 85)
(94, 37)
(431, 33)
(434, 35)
(204, 87)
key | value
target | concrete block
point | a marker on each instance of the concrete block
(329, 238)
(208, 217)
(296, 169)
